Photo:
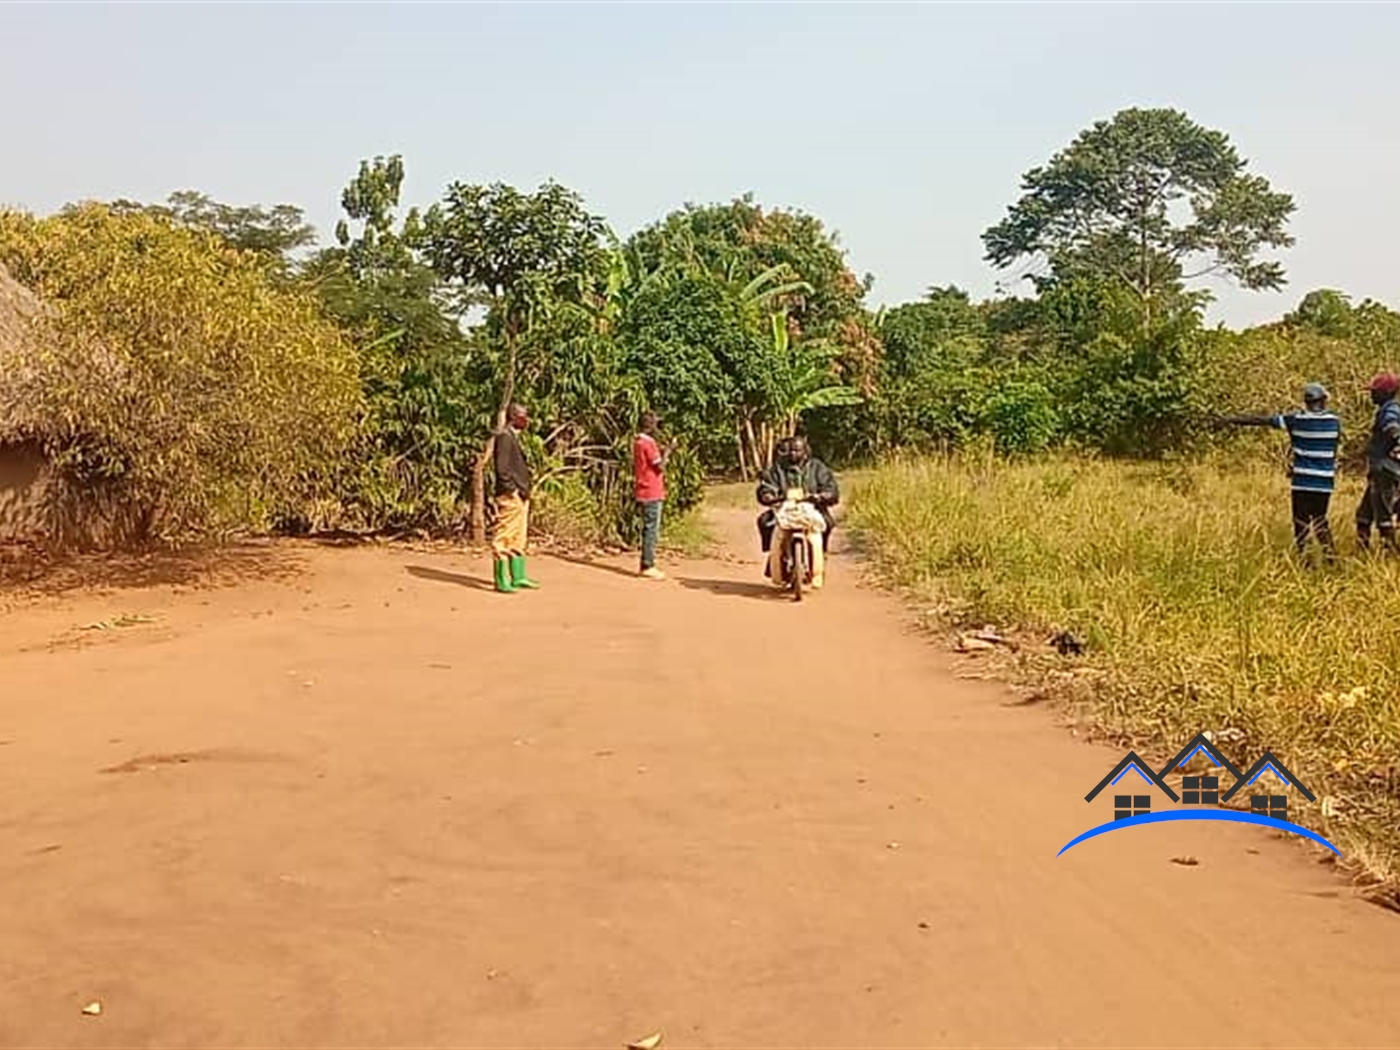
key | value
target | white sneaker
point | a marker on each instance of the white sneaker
(653, 573)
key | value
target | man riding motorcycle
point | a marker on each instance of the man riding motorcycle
(795, 467)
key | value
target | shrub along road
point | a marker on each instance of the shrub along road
(373, 803)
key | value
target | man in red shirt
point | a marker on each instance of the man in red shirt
(649, 470)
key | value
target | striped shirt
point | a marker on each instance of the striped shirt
(1315, 437)
(1380, 454)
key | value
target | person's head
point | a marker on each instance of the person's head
(1384, 388)
(517, 417)
(782, 452)
(798, 450)
(1315, 397)
(649, 422)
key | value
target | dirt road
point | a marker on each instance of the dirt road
(371, 803)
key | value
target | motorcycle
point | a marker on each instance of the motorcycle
(797, 560)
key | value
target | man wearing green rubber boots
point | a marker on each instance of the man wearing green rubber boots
(511, 536)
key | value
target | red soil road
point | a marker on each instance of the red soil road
(411, 812)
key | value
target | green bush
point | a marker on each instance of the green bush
(1021, 417)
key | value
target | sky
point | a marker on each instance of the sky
(905, 127)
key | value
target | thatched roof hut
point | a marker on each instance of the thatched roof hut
(23, 324)
(40, 504)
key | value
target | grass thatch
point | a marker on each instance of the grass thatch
(24, 329)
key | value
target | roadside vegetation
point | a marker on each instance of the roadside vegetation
(1177, 582)
(296, 384)
(1041, 458)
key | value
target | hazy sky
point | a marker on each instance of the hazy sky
(905, 127)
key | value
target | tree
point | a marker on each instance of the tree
(515, 254)
(932, 384)
(423, 404)
(922, 335)
(370, 200)
(681, 337)
(1325, 311)
(278, 230)
(587, 401)
(739, 241)
(1149, 199)
(273, 234)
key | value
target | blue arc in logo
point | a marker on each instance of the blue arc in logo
(1200, 814)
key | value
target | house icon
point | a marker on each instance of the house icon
(1125, 806)
(1275, 806)
(1200, 790)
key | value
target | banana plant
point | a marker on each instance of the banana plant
(764, 290)
(805, 375)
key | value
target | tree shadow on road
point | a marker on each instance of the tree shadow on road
(424, 572)
(733, 588)
(33, 573)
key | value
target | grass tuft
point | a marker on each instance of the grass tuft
(687, 534)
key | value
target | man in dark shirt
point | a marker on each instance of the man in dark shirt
(511, 535)
(796, 467)
(1382, 466)
(769, 476)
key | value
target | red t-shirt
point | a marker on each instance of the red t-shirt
(650, 482)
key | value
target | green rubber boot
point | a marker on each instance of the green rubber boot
(518, 576)
(503, 581)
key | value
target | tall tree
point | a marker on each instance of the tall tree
(372, 279)
(370, 201)
(1149, 199)
(423, 405)
(516, 254)
(274, 233)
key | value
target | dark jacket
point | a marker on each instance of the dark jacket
(512, 472)
(814, 477)
(1385, 436)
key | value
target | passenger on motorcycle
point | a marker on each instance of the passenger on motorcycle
(795, 467)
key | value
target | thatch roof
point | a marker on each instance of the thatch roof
(23, 320)
(30, 371)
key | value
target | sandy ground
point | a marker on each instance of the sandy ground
(360, 800)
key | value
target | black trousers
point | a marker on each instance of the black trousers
(1310, 518)
(1378, 509)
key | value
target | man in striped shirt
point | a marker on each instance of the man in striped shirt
(1316, 435)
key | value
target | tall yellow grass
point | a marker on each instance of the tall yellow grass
(1182, 582)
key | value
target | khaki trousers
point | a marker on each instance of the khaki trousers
(512, 526)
